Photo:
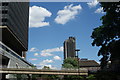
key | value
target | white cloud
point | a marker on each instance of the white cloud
(93, 3)
(37, 16)
(99, 10)
(34, 64)
(48, 61)
(33, 49)
(68, 13)
(44, 63)
(36, 54)
(57, 58)
(46, 54)
(52, 50)
(33, 59)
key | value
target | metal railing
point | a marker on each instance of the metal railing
(4, 47)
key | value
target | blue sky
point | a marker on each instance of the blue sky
(51, 23)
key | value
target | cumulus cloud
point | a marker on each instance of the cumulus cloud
(36, 54)
(33, 59)
(34, 64)
(48, 61)
(37, 16)
(46, 54)
(57, 58)
(93, 3)
(68, 13)
(33, 49)
(45, 62)
(52, 50)
(99, 10)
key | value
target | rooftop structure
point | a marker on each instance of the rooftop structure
(91, 65)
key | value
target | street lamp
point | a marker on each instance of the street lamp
(77, 50)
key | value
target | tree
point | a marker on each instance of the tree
(46, 67)
(52, 77)
(107, 36)
(91, 77)
(70, 63)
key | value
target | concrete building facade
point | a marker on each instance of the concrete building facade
(14, 25)
(69, 47)
(14, 19)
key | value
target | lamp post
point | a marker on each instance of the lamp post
(77, 50)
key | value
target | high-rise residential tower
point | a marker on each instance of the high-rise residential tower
(69, 47)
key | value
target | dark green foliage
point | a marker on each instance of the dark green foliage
(70, 63)
(46, 67)
(108, 34)
(35, 76)
(50, 77)
(73, 77)
(91, 77)
(107, 75)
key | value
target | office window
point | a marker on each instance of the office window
(4, 4)
(4, 11)
(4, 20)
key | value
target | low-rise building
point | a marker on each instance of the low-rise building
(90, 65)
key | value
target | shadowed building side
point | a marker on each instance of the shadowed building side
(14, 19)
(14, 25)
